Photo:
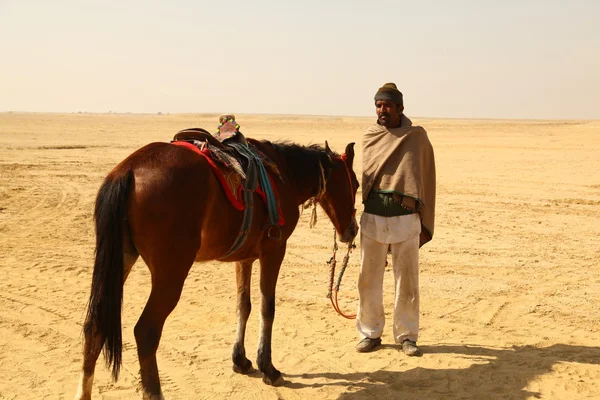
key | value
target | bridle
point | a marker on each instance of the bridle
(323, 187)
(344, 157)
(333, 290)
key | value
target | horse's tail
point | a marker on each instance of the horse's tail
(103, 317)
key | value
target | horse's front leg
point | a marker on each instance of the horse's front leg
(270, 262)
(243, 275)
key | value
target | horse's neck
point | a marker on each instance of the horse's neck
(305, 189)
(308, 192)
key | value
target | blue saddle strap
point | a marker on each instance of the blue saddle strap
(264, 181)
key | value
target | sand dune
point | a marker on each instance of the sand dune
(510, 283)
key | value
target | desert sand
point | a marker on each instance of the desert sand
(510, 284)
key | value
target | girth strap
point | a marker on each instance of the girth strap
(248, 197)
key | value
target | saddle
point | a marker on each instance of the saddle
(238, 161)
(228, 130)
(223, 154)
(222, 148)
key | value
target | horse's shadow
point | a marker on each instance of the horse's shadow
(493, 373)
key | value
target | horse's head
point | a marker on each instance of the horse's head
(340, 193)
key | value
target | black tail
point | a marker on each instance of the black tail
(106, 297)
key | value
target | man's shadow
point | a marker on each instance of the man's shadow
(493, 373)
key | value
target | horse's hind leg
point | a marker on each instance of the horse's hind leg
(93, 341)
(91, 350)
(243, 273)
(167, 285)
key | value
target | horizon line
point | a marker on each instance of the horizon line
(160, 113)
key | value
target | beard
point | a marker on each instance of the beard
(384, 119)
(389, 120)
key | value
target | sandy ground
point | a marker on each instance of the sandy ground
(510, 283)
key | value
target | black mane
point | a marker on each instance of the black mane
(303, 161)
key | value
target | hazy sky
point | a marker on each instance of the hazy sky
(461, 58)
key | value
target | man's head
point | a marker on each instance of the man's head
(389, 105)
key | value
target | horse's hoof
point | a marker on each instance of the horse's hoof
(150, 396)
(279, 381)
(245, 369)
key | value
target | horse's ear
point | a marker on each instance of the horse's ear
(350, 153)
(327, 149)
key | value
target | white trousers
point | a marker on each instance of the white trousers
(370, 319)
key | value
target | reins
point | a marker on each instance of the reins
(333, 290)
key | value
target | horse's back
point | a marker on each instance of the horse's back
(177, 200)
(174, 195)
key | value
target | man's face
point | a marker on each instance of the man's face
(388, 113)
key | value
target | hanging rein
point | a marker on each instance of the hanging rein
(332, 294)
(333, 290)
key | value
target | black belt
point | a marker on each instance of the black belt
(390, 204)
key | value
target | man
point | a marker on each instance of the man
(399, 196)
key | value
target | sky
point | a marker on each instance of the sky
(527, 59)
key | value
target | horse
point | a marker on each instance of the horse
(165, 204)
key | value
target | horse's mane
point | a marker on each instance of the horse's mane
(304, 160)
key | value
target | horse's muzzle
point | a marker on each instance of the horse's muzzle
(351, 232)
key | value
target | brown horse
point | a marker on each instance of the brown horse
(165, 204)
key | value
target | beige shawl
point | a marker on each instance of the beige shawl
(401, 160)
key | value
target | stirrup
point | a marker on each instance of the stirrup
(270, 236)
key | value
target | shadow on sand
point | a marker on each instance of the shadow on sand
(493, 373)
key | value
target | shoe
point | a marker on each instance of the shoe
(367, 344)
(410, 348)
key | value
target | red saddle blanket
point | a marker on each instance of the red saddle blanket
(234, 199)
